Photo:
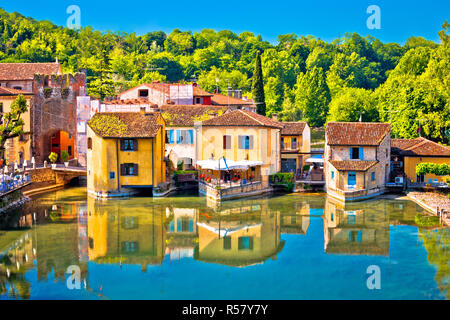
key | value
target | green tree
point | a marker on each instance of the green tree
(11, 123)
(258, 87)
(351, 103)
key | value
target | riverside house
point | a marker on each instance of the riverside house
(236, 153)
(125, 151)
(356, 159)
(406, 154)
(295, 146)
(17, 149)
(180, 134)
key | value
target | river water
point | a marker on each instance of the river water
(66, 245)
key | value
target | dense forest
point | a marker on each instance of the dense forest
(304, 77)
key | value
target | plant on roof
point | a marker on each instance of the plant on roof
(108, 125)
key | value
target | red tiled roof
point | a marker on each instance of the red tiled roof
(418, 147)
(130, 102)
(242, 118)
(293, 128)
(26, 71)
(353, 165)
(356, 133)
(200, 93)
(186, 115)
(129, 124)
(221, 100)
(159, 86)
(13, 92)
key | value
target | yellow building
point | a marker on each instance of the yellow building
(250, 144)
(406, 154)
(125, 151)
(295, 146)
(18, 149)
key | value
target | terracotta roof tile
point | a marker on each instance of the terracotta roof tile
(130, 102)
(418, 147)
(125, 124)
(293, 128)
(200, 93)
(353, 165)
(26, 71)
(13, 92)
(221, 100)
(356, 133)
(242, 118)
(187, 115)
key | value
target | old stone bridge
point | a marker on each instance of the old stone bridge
(58, 175)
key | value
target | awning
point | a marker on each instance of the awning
(314, 160)
(227, 164)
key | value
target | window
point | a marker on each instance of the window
(294, 143)
(185, 136)
(112, 175)
(128, 145)
(130, 222)
(1, 107)
(356, 153)
(227, 243)
(373, 176)
(198, 100)
(245, 243)
(246, 142)
(170, 137)
(227, 142)
(143, 93)
(69, 150)
(355, 236)
(332, 175)
(130, 246)
(129, 169)
(17, 88)
(282, 143)
(89, 143)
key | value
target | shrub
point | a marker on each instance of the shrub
(65, 93)
(442, 169)
(53, 157)
(427, 221)
(48, 92)
(64, 156)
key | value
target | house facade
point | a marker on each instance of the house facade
(17, 149)
(125, 151)
(181, 137)
(406, 154)
(356, 159)
(245, 139)
(295, 146)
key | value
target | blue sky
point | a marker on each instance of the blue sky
(326, 19)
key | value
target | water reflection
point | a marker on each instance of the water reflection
(63, 228)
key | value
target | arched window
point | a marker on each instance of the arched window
(89, 143)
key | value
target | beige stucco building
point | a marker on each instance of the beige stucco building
(356, 159)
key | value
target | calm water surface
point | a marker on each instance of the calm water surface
(286, 247)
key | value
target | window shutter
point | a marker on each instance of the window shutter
(350, 153)
(225, 142)
(191, 136)
(178, 224)
(251, 142)
(240, 142)
(135, 145)
(250, 243)
(122, 169)
(122, 145)
(135, 169)
(361, 153)
(178, 136)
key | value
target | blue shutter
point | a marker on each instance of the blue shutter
(359, 238)
(171, 137)
(178, 136)
(172, 226)
(246, 142)
(191, 136)
(191, 225)
(350, 153)
(178, 224)
(361, 153)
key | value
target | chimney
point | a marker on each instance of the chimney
(229, 91)
(275, 116)
(238, 94)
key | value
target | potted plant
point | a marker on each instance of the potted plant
(202, 176)
(65, 158)
(53, 157)
(208, 179)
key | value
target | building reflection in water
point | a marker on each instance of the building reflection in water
(239, 234)
(348, 229)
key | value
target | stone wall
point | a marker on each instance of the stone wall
(54, 108)
(42, 175)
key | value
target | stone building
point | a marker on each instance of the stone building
(356, 159)
(52, 112)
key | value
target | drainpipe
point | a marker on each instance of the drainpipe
(118, 166)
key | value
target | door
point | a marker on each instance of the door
(289, 165)
(352, 178)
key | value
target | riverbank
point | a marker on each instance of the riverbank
(432, 201)
(40, 187)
